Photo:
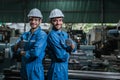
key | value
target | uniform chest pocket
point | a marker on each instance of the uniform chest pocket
(32, 43)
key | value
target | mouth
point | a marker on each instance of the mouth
(33, 24)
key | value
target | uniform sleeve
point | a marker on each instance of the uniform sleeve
(69, 49)
(16, 46)
(59, 51)
(75, 44)
(68, 42)
(38, 47)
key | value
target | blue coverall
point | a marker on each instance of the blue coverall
(35, 44)
(58, 52)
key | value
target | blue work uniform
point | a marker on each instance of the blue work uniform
(58, 52)
(34, 47)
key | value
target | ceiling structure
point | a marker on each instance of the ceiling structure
(75, 11)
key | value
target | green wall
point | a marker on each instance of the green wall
(76, 11)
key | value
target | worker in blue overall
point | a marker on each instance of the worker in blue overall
(59, 47)
(31, 46)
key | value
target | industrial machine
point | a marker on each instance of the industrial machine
(103, 55)
(4, 40)
(97, 61)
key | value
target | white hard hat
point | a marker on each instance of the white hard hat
(35, 13)
(56, 13)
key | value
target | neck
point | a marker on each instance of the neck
(56, 29)
(33, 29)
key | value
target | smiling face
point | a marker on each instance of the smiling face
(34, 22)
(57, 22)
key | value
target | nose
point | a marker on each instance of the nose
(58, 22)
(33, 21)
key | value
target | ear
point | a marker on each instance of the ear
(40, 20)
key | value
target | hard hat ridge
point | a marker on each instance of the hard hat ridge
(35, 13)
(56, 13)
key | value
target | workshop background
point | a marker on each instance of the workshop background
(93, 24)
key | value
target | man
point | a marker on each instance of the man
(59, 46)
(31, 46)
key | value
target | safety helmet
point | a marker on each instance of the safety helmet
(35, 13)
(56, 13)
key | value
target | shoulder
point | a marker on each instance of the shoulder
(52, 33)
(65, 33)
(52, 36)
(41, 32)
(25, 34)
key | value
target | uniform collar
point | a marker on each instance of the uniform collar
(36, 31)
(57, 31)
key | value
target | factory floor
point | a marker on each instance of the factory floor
(6, 63)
